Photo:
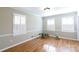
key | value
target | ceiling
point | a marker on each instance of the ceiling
(39, 10)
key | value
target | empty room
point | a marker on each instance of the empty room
(39, 29)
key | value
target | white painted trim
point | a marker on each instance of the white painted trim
(64, 38)
(67, 38)
(5, 35)
(19, 43)
(51, 35)
(19, 34)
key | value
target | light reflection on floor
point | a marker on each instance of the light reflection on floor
(51, 48)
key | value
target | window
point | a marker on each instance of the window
(19, 24)
(50, 22)
(68, 24)
(51, 25)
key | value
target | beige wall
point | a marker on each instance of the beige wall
(5, 21)
(33, 25)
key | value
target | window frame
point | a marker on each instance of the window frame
(52, 24)
(19, 31)
(67, 24)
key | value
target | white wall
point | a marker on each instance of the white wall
(58, 25)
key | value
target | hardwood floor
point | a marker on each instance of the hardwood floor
(47, 45)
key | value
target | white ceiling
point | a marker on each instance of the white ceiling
(39, 11)
(32, 10)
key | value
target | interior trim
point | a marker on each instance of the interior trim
(64, 38)
(5, 35)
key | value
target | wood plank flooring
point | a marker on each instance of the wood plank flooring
(47, 45)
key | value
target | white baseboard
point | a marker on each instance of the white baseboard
(64, 38)
(51, 35)
(19, 43)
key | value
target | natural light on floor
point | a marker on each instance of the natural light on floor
(49, 48)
